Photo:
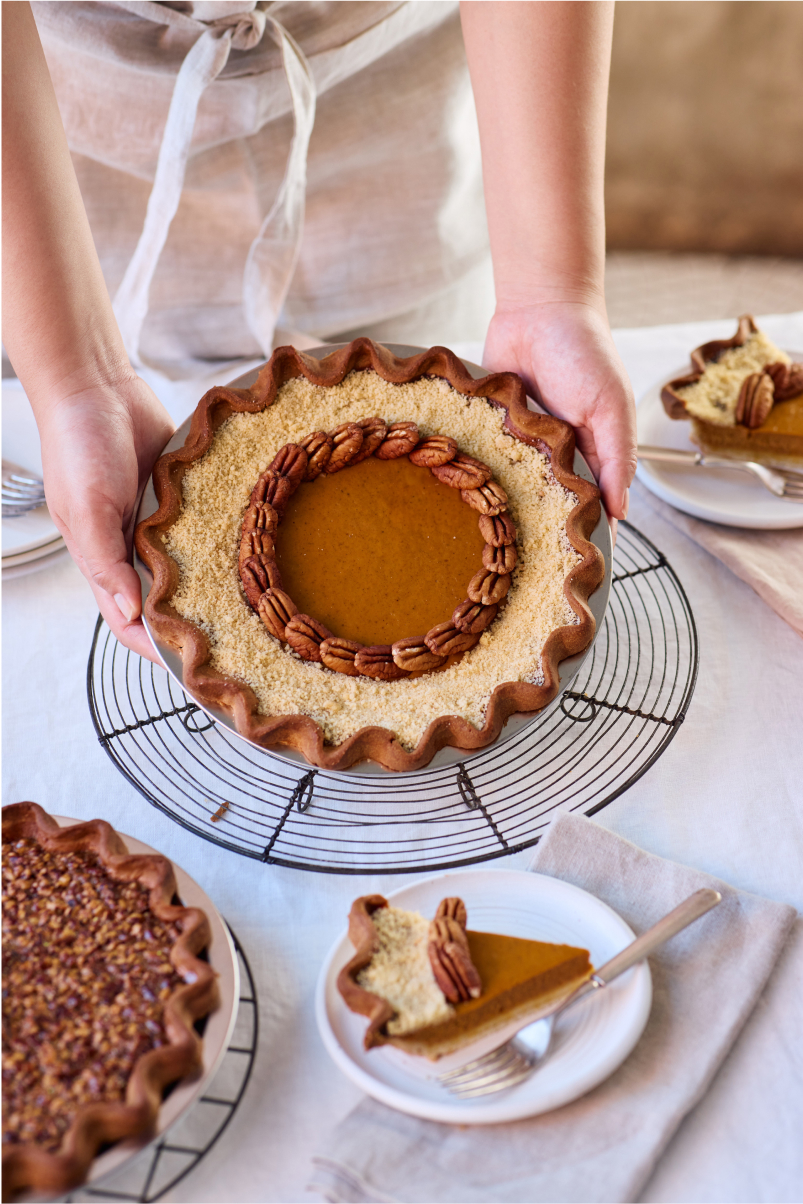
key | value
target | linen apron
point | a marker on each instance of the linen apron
(308, 164)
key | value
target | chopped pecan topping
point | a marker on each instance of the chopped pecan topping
(318, 447)
(291, 462)
(498, 530)
(473, 617)
(500, 560)
(377, 662)
(258, 574)
(338, 655)
(414, 656)
(445, 639)
(489, 498)
(347, 440)
(756, 399)
(400, 440)
(463, 472)
(374, 431)
(276, 609)
(450, 958)
(787, 378)
(453, 909)
(434, 451)
(305, 636)
(488, 587)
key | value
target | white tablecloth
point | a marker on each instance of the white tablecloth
(727, 797)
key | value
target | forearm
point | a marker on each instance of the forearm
(540, 75)
(59, 327)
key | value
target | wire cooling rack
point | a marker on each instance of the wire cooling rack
(160, 1166)
(621, 712)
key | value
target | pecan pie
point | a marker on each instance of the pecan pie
(102, 984)
(432, 987)
(368, 558)
(744, 397)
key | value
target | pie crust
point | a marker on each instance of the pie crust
(28, 1166)
(300, 732)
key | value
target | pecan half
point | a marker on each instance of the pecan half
(260, 516)
(291, 462)
(413, 656)
(450, 958)
(787, 378)
(374, 431)
(498, 530)
(500, 560)
(434, 451)
(488, 587)
(489, 498)
(347, 441)
(276, 609)
(256, 543)
(463, 472)
(275, 490)
(453, 909)
(318, 447)
(445, 639)
(259, 573)
(400, 440)
(473, 617)
(338, 655)
(756, 398)
(377, 662)
(305, 636)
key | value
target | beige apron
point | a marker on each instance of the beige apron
(244, 165)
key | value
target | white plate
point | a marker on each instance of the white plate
(567, 670)
(590, 1042)
(15, 559)
(219, 1026)
(21, 446)
(733, 498)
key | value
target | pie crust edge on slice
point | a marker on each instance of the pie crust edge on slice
(441, 1039)
(29, 1167)
(549, 435)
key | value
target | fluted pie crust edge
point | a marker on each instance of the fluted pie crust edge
(555, 439)
(28, 1167)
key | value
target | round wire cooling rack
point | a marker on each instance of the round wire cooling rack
(151, 1174)
(621, 712)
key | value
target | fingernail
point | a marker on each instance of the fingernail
(625, 503)
(126, 607)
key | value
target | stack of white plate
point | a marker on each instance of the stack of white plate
(30, 541)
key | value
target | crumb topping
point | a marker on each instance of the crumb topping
(401, 973)
(204, 542)
(714, 396)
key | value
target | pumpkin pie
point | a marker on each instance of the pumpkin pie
(368, 558)
(102, 985)
(431, 988)
(744, 398)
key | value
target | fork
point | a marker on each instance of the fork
(515, 1060)
(22, 490)
(780, 481)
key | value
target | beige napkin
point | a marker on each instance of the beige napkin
(771, 562)
(603, 1146)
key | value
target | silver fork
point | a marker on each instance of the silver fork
(515, 1060)
(22, 490)
(780, 481)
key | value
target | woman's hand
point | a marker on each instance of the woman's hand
(566, 356)
(99, 444)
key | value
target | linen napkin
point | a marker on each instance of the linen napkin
(603, 1146)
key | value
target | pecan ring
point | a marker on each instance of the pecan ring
(332, 451)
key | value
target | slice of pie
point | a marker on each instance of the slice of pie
(744, 398)
(431, 988)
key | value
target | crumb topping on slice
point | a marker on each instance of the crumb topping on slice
(401, 973)
(714, 396)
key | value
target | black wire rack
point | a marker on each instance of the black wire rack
(621, 712)
(151, 1174)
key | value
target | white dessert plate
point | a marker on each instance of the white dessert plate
(733, 498)
(31, 531)
(567, 670)
(217, 1031)
(590, 1041)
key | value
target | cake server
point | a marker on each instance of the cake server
(515, 1060)
(780, 481)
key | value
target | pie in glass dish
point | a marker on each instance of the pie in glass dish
(104, 978)
(367, 557)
